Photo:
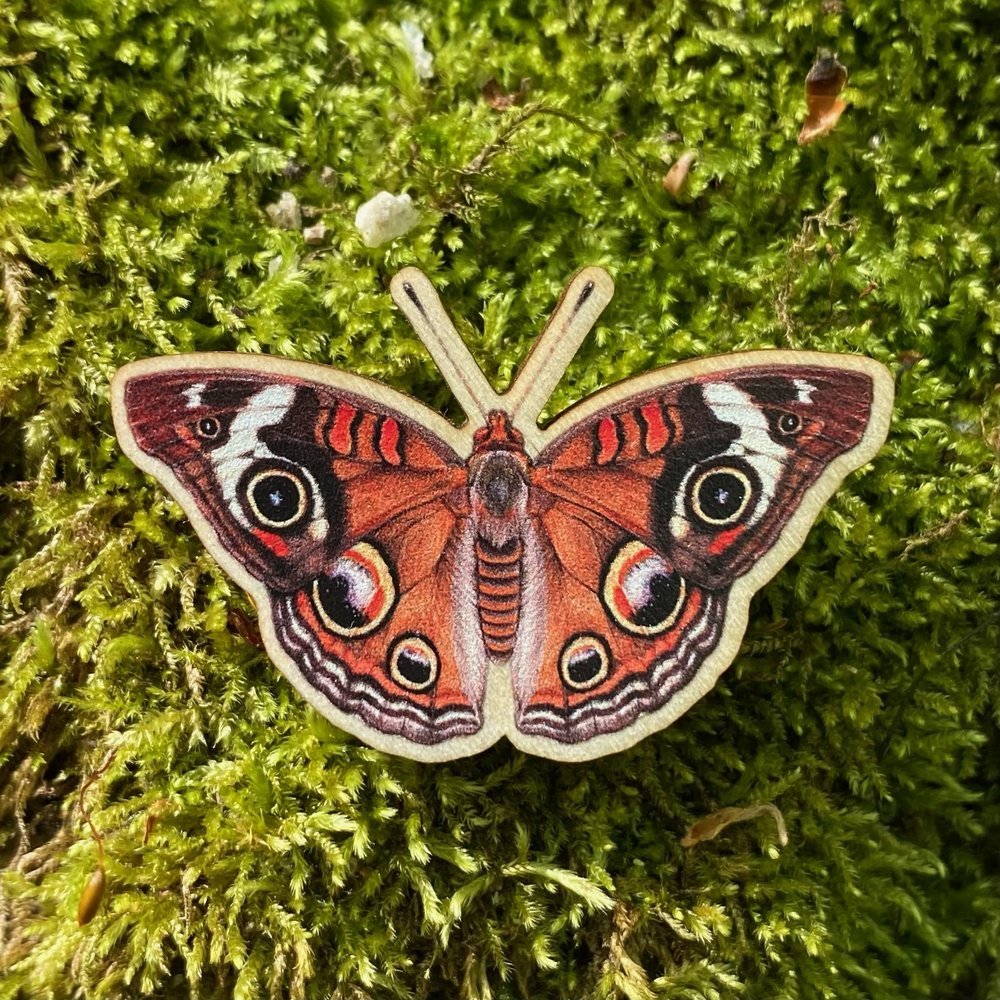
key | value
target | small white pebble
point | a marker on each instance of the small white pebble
(385, 217)
(423, 61)
(285, 212)
(314, 234)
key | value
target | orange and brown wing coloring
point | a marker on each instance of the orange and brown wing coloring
(353, 516)
(640, 432)
(645, 514)
(603, 565)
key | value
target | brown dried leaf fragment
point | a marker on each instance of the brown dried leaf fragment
(677, 175)
(824, 83)
(501, 101)
(709, 827)
(245, 627)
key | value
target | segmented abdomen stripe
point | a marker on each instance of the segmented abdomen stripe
(498, 592)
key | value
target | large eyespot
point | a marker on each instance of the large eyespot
(641, 592)
(720, 495)
(208, 428)
(414, 663)
(357, 594)
(584, 662)
(277, 497)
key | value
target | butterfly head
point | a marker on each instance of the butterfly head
(498, 477)
(499, 434)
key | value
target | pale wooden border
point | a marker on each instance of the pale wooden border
(539, 374)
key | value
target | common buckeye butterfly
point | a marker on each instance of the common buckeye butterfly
(431, 588)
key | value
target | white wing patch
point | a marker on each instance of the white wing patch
(231, 460)
(193, 395)
(805, 390)
(754, 445)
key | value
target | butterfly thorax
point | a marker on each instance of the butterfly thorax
(498, 497)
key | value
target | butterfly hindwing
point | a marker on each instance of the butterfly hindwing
(422, 680)
(589, 663)
(658, 514)
(342, 516)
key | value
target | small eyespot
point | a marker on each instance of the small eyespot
(641, 591)
(414, 663)
(277, 498)
(208, 428)
(584, 662)
(720, 495)
(789, 423)
(355, 597)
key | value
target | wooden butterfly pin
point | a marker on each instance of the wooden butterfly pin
(431, 588)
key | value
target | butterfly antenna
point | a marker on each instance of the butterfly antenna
(416, 297)
(583, 301)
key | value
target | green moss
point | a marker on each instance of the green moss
(139, 146)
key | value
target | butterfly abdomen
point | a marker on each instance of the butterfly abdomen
(498, 493)
(498, 593)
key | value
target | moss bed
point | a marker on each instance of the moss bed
(253, 850)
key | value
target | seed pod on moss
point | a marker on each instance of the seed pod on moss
(677, 174)
(90, 898)
(155, 814)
